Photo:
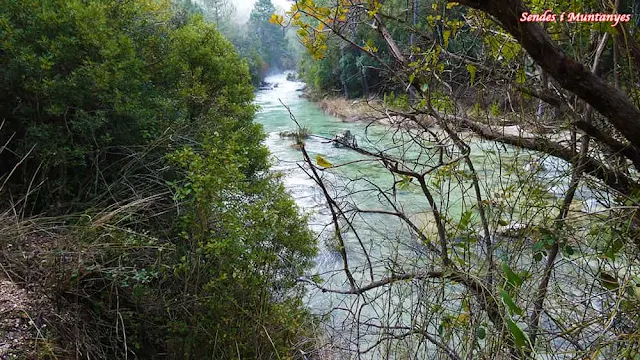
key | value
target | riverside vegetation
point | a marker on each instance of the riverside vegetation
(137, 197)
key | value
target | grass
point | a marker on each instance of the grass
(108, 273)
(299, 136)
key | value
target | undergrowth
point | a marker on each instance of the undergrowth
(138, 197)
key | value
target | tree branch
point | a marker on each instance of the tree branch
(571, 75)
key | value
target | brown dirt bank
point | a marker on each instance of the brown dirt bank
(373, 110)
(367, 110)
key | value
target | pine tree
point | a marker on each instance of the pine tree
(270, 37)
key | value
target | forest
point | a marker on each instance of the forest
(180, 179)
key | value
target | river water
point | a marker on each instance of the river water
(383, 242)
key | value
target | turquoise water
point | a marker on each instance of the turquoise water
(384, 242)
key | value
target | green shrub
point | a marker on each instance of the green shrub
(92, 82)
(188, 246)
(245, 247)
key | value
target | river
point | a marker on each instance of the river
(385, 241)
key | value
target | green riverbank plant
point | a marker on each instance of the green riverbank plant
(130, 150)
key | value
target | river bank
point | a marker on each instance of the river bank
(371, 110)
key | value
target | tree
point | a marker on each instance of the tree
(470, 285)
(270, 37)
(220, 12)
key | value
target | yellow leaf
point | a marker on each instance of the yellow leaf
(322, 162)
(276, 19)
(462, 318)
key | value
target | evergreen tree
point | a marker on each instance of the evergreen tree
(219, 12)
(270, 37)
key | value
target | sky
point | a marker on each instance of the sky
(244, 7)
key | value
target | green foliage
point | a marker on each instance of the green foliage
(513, 308)
(494, 109)
(442, 102)
(84, 96)
(397, 101)
(322, 75)
(513, 279)
(104, 92)
(519, 336)
(472, 73)
(350, 75)
(245, 247)
(262, 44)
(270, 37)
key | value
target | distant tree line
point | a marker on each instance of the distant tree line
(262, 44)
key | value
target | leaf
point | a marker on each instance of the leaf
(549, 241)
(609, 281)
(463, 318)
(521, 76)
(612, 249)
(472, 72)
(322, 162)
(481, 332)
(509, 302)
(464, 220)
(538, 245)
(513, 279)
(446, 34)
(276, 19)
(568, 250)
(518, 336)
(404, 183)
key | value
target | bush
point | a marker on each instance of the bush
(141, 124)
(245, 249)
(92, 82)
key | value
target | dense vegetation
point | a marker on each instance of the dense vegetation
(132, 169)
(263, 44)
(139, 202)
(338, 66)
